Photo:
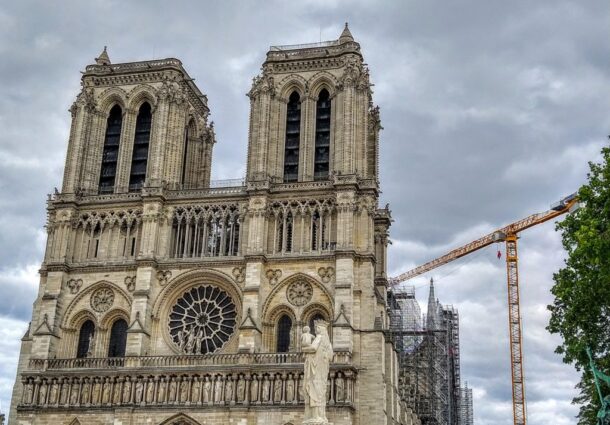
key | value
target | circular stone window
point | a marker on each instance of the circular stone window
(299, 293)
(202, 320)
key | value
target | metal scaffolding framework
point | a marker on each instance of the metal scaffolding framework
(429, 352)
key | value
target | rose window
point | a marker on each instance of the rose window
(202, 320)
(299, 293)
(102, 299)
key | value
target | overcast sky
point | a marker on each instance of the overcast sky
(491, 110)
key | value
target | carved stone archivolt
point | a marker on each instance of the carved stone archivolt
(102, 299)
(221, 389)
(299, 293)
(202, 320)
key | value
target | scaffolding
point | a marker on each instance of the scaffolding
(428, 356)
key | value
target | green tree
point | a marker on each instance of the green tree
(580, 312)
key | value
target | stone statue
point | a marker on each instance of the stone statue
(161, 391)
(266, 388)
(317, 364)
(306, 337)
(229, 390)
(198, 341)
(254, 389)
(139, 390)
(241, 387)
(289, 389)
(106, 392)
(218, 390)
(189, 347)
(277, 389)
(207, 387)
(195, 390)
(150, 391)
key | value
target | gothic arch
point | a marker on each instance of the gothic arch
(313, 309)
(180, 419)
(291, 83)
(283, 285)
(110, 97)
(113, 315)
(140, 94)
(180, 283)
(321, 80)
(69, 314)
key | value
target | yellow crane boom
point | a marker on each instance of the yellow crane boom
(507, 234)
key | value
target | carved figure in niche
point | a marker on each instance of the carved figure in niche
(241, 387)
(301, 389)
(53, 393)
(207, 387)
(277, 389)
(139, 390)
(254, 389)
(74, 393)
(84, 395)
(150, 390)
(195, 390)
(218, 390)
(339, 389)
(91, 349)
(95, 391)
(127, 390)
(317, 364)
(289, 389)
(63, 394)
(173, 389)
(116, 396)
(229, 390)
(266, 389)
(184, 390)
(42, 393)
(29, 392)
(106, 391)
(306, 337)
(161, 392)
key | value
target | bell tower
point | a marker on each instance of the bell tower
(312, 116)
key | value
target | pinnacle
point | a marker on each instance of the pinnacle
(346, 35)
(103, 58)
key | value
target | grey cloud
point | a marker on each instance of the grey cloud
(490, 111)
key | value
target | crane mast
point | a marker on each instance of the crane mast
(508, 235)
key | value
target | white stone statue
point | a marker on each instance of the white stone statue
(318, 355)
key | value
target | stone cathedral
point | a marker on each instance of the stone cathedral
(167, 298)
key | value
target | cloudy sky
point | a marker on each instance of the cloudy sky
(491, 111)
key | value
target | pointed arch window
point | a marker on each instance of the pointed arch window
(293, 138)
(284, 327)
(118, 339)
(139, 159)
(322, 145)
(85, 340)
(110, 153)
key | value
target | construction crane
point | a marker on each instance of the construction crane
(507, 234)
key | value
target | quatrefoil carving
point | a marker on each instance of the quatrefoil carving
(239, 273)
(273, 276)
(130, 282)
(326, 273)
(74, 285)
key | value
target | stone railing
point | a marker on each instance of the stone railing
(181, 361)
(235, 387)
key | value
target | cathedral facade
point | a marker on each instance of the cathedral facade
(166, 298)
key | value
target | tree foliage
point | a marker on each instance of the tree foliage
(580, 312)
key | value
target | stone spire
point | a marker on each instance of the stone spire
(346, 35)
(431, 319)
(103, 59)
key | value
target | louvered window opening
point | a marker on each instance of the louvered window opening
(110, 153)
(141, 143)
(118, 339)
(284, 328)
(293, 138)
(85, 340)
(322, 144)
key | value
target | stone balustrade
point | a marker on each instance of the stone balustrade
(343, 358)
